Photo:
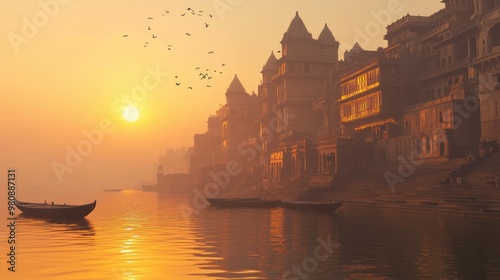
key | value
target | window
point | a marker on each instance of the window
(418, 146)
(428, 145)
(440, 117)
(496, 109)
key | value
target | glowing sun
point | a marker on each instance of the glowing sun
(130, 113)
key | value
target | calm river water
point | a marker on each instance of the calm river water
(140, 235)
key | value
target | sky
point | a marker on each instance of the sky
(69, 67)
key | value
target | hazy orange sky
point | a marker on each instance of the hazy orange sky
(65, 68)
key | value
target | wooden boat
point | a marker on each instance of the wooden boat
(55, 211)
(244, 202)
(310, 205)
(219, 201)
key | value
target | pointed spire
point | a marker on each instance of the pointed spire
(271, 62)
(235, 85)
(326, 36)
(297, 28)
(357, 47)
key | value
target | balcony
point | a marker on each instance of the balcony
(448, 68)
(360, 115)
(359, 91)
(436, 31)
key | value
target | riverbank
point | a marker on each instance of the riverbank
(427, 188)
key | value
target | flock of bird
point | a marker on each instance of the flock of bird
(203, 74)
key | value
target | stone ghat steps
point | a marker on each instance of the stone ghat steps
(424, 176)
(484, 175)
(422, 189)
(468, 201)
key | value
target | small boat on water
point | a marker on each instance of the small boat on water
(55, 211)
(219, 201)
(113, 190)
(310, 205)
(244, 202)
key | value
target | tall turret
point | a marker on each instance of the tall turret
(270, 69)
(235, 92)
(329, 46)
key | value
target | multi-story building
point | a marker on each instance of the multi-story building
(486, 70)
(302, 69)
(268, 122)
(237, 116)
(433, 92)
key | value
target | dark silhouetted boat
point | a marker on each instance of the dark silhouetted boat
(112, 190)
(243, 202)
(55, 211)
(310, 205)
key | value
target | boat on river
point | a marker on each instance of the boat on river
(311, 205)
(244, 202)
(55, 211)
(112, 190)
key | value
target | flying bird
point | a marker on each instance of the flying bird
(197, 68)
(149, 27)
(176, 77)
(190, 87)
(125, 35)
(188, 34)
(209, 86)
(223, 64)
(206, 25)
(150, 18)
(210, 52)
(183, 14)
(210, 15)
(154, 36)
(177, 84)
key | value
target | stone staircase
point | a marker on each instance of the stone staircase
(290, 189)
(483, 176)
(421, 190)
(426, 188)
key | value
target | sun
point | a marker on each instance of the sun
(130, 113)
